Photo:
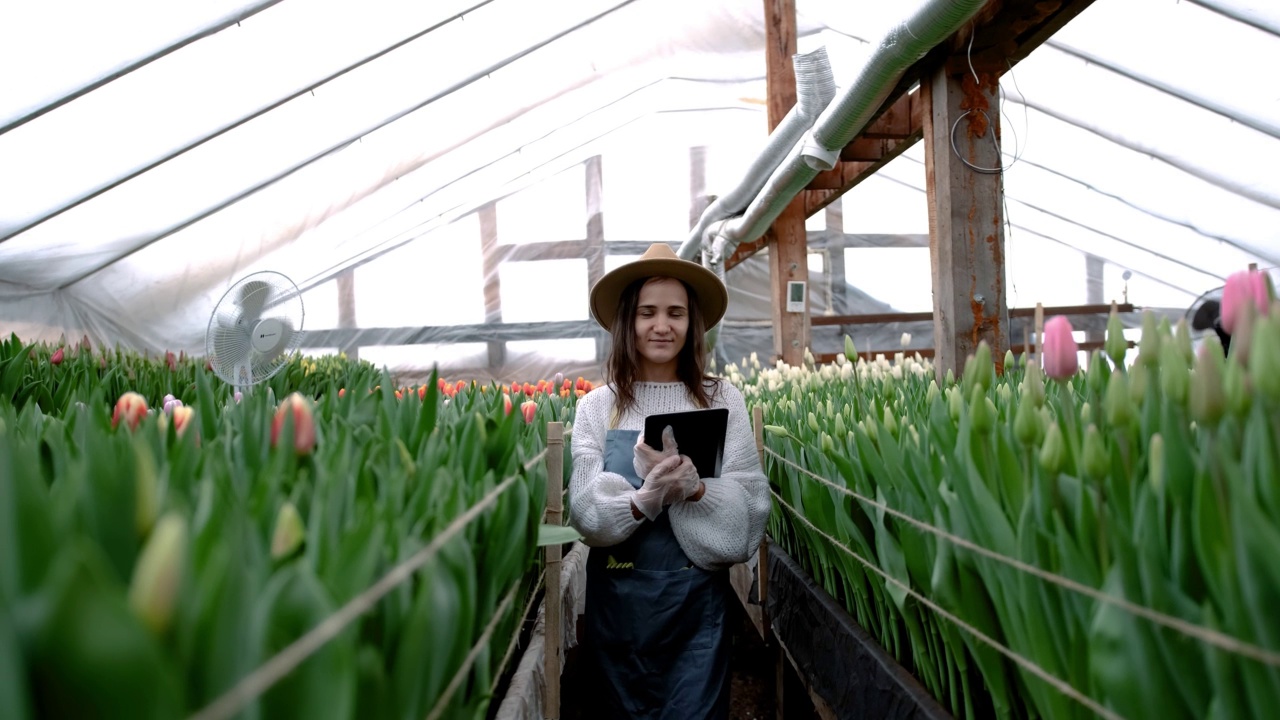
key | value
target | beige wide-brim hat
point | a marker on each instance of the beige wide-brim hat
(659, 261)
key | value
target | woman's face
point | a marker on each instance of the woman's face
(662, 323)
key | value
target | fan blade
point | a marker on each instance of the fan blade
(254, 296)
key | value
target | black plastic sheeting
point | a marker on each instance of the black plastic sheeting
(839, 660)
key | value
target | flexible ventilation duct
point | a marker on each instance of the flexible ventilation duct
(815, 87)
(836, 126)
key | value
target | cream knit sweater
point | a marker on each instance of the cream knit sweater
(723, 527)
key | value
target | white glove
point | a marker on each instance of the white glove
(646, 457)
(671, 480)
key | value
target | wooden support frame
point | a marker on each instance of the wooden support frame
(493, 256)
(553, 612)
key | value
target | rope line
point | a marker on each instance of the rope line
(1057, 683)
(515, 637)
(483, 642)
(1218, 639)
(288, 659)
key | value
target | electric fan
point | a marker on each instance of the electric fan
(254, 328)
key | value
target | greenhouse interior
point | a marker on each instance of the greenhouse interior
(296, 321)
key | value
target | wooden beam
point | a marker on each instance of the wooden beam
(493, 255)
(1018, 349)
(347, 309)
(595, 235)
(788, 259)
(885, 318)
(898, 128)
(484, 332)
(966, 220)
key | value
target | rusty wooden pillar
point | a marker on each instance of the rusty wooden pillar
(785, 239)
(966, 219)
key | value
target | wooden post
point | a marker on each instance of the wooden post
(786, 238)
(966, 223)
(1093, 291)
(488, 215)
(595, 235)
(553, 612)
(1039, 319)
(347, 310)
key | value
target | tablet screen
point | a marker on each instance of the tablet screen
(699, 433)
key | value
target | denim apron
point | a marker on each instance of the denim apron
(655, 633)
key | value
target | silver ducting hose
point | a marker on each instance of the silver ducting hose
(815, 87)
(843, 119)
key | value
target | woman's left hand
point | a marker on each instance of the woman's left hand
(646, 458)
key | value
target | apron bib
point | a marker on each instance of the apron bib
(654, 623)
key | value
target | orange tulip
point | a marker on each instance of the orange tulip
(506, 404)
(422, 392)
(342, 392)
(181, 418)
(304, 425)
(529, 408)
(131, 407)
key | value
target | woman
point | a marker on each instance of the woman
(662, 538)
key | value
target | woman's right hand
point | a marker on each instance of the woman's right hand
(671, 480)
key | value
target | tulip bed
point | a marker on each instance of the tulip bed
(1157, 482)
(151, 559)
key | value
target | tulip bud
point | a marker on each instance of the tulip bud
(1174, 375)
(1264, 365)
(1059, 349)
(1182, 341)
(237, 397)
(1026, 422)
(1009, 361)
(1033, 384)
(1099, 373)
(950, 378)
(131, 407)
(304, 425)
(1245, 290)
(1149, 345)
(777, 430)
(289, 532)
(1155, 462)
(530, 409)
(982, 412)
(1235, 385)
(873, 430)
(955, 403)
(890, 422)
(840, 426)
(827, 445)
(1097, 464)
(932, 394)
(1086, 413)
(1054, 451)
(849, 350)
(1005, 393)
(813, 423)
(1117, 404)
(1116, 345)
(157, 574)
(829, 408)
(56, 357)
(1138, 380)
(1208, 394)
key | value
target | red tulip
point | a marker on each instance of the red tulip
(342, 392)
(529, 408)
(1247, 287)
(171, 360)
(56, 358)
(506, 404)
(304, 425)
(422, 392)
(1059, 353)
(131, 407)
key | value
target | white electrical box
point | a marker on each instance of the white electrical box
(796, 294)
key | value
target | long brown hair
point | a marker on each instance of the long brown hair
(624, 358)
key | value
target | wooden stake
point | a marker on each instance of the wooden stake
(553, 614)
(1039, 329)
(762, 567)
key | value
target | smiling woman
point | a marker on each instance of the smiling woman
(662, 537)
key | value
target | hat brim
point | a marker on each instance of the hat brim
(712, 296)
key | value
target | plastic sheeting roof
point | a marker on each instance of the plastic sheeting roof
(153, 153)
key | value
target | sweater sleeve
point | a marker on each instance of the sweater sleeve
(599, 502)
(726, 525)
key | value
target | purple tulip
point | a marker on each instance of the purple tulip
(1059, 351)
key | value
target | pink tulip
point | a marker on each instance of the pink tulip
(1059, 354)
(529, 408)
(506, 404)
(56, 358)
(304, 425)
(1246, 286)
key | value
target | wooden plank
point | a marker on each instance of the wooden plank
(838, 303)
(966, 219)
(493, 255)
(870, 355)
(883, 318)
(553, 612)
(898, 128)
(482, 332)
(788, 259)
(595, 235)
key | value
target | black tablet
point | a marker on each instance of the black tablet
(699, 433)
